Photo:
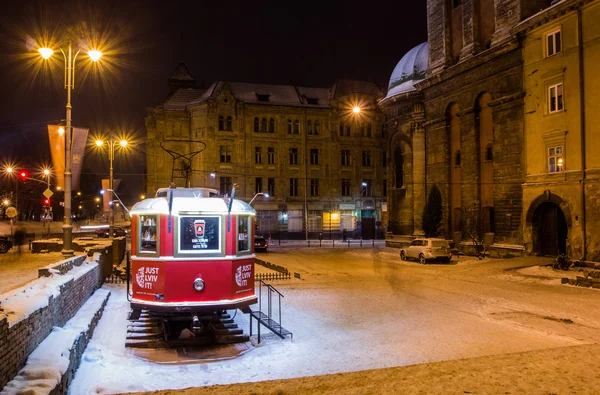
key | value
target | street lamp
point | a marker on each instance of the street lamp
(111, 144)
(259, 194)
(70, 58)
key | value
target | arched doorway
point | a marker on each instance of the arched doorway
(549, 229)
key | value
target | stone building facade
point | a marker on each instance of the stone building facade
(561, 49)
(320, 162)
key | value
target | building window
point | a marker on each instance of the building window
(555, 98)
(345, 157)
(384, 188)
(369, 131)
(258, 155)
(296, 127)
(271, 125)
(553, 43)
(289, 127)
(317, 127)
(457, 159)
(341, 129)
(271, 155)
(293, 156)
(314, 156)
(362, 130)
(456, 3)
(555, 159)
(221, 123)
(224, 185)
(384, 159)
(256, 122)
(366, 158)
(271, 186)
(293, 187)
(489, 155)
(347, 129)
(309, 127)
(367, 188)
(345, 187)
(263, 125)
(314, 187)
(258, 186)
(225, 154)
(228, 124)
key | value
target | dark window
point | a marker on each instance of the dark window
(362, 130)
(317, 127)
(258, 155)
(457, 159)
(312, 101)
(224, 185)
(293, 187)
(369, 130)
(341, 129)
(256, 122)
(345, 157)
(345, 187)
(225, 154)
(258, 186)
(271, 186)
(221, 123)
(347, 130)
(489, 156)
(296, 127)
(262, 96)
(456, 3)
(289, 128)
(228, 123)
(310, 129)
(271, 125)
(366, 158)
(314, 156)
(263, 125)
(314, 187)
(271, 155)
(293, 156)
(384, 188)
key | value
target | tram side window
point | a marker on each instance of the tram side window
(243, 233)
(148, 234)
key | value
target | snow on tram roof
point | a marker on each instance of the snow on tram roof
(191, 204)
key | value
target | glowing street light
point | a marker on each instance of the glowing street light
(111, 156)
(70, 58)
(356, 110)
(258, 194)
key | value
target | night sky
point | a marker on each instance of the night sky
(279, 42)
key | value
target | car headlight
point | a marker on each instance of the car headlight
(198, 284)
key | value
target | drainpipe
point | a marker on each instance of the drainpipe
(582, 131)
(305, 150)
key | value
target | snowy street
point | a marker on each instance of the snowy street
(359, 309)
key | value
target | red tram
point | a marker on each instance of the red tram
(192, 255)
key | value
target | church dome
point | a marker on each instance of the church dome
(409, 70)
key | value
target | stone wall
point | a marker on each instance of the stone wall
(19, 340)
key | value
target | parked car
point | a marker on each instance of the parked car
(429, 249)
(260, 243)
(5, 244)
(117, 232)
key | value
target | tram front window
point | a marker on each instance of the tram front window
(243, 231)
(148, 234)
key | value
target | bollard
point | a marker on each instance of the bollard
(309, 243)
(333, 243)
(320, 242)
(373, 242)
(348, 243)
(361, 241)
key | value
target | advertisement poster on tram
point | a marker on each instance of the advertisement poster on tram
(149, 279)
(199, 234)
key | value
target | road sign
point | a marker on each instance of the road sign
(47, 216)
(48, 193)
(11, 212)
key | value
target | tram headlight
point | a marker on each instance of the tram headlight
(198, 284)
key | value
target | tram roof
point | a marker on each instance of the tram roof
(184, 205)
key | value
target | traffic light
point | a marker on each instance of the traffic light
(46, 202)
(23, 175)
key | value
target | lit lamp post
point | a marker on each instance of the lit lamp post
(258, 194)
(9, 170)
(69, 57)
(111, 156)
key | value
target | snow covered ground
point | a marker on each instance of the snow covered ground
(364, 309)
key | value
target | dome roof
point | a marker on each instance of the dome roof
(409, 70)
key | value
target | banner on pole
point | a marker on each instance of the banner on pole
(56, 135)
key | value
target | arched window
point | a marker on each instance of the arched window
(228, 124)
(348, 130)
(256, 122)
(296, 127)
(263, 125)
(309, 126)
(221, 126)
(489, 155)
(317, 126)
(289, 126)
(457, 158)
(271, 125)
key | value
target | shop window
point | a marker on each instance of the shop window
(148, 234)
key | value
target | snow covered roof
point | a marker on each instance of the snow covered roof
(187, 205)
(409, 70)
(181, 97)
